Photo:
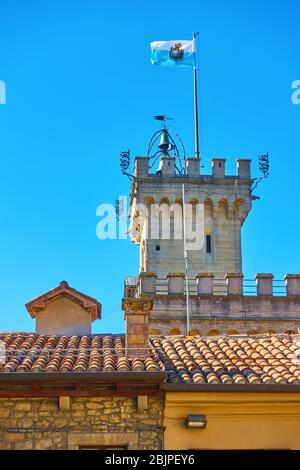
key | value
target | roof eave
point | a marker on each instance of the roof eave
(85, 377)
(238, 388)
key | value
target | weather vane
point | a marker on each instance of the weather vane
(162, 117)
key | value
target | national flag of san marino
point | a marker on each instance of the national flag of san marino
(173, 53)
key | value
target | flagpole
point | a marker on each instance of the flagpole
(197, 147)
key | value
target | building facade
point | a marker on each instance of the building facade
(63, 388)
(229, 346)
(204, 276)
(204, 364)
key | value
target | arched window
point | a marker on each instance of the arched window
(213, 333)
(252, 332)
(194, 332)
(233, 332)
(174, 331)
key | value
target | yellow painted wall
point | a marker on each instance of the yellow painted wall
(234, 420)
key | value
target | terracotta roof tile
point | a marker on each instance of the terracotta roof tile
(232, 360)
(185, 359)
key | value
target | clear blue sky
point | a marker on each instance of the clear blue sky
(80, 87)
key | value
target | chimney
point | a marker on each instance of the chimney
(136, 314)
(64, 311)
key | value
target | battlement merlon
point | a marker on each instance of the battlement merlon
(167, 169)
(224, 193)
(235, 307)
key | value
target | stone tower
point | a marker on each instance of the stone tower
(225, 201)
(215, 300)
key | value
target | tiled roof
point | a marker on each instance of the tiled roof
(229, 360)
(26, 352)
(185, 359)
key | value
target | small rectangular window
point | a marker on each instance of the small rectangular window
(208, 243)
(157, 248)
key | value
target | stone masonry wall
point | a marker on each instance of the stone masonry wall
(262, 314)
(227, 201)
(39, 423)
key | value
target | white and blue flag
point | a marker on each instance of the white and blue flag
(173, 53)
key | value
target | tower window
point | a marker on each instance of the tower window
(157, 247)
(208, 243)
(220, 164)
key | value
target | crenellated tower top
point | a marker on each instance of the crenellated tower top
(224, 202)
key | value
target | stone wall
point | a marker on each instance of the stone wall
(37, 423)
(213, 314)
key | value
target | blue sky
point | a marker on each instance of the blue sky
(80, 87)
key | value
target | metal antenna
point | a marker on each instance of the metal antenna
(185, 254)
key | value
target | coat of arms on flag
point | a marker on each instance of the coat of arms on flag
(176, 52)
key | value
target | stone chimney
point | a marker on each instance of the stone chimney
(136, 314)
(64, 311)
